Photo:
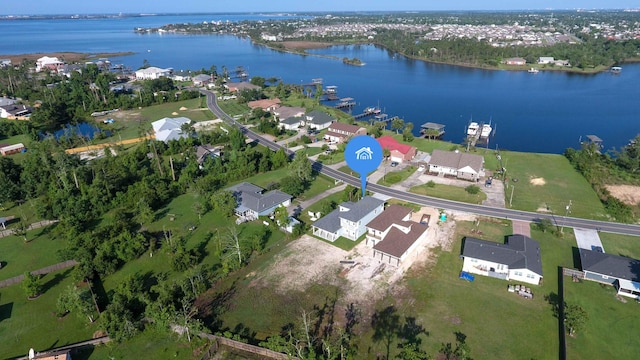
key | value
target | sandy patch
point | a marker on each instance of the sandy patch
(183, 108)
(628, 194)
(362, 277)
(174, 113)
(305, 44)
(537, 181)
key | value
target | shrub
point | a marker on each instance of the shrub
(472, 189)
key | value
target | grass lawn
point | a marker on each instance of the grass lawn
(18, 257)
(498, 324)
(611, 329)
(131, 124)
(28, 324)
(313, 150)
(264, 179)
(337, 198)
(449, 192)
(558, 183)
(330, 159)
(320, 184)
(149, 344)
(233, 108)
(623, 245)
(395, 177)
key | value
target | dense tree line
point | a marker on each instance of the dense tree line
(609, 168)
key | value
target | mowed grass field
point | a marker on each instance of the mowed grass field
(17, 257)
(450, 192)
(26, 324)
(130, 124)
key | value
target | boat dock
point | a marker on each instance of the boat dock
(345, 103)
(370, 111)
(432, 130)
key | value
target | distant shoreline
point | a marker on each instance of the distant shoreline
(70, 57)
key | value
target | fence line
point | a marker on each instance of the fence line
(43, 271)
(246, 347)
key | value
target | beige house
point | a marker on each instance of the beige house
(454, 163)
(341, 132)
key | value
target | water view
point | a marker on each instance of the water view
(545, 112)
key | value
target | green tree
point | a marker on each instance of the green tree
(412, 352)
(32, 285)
(236, 139)
(224, 202)
(291, 185)
(407, 133)
(397, 124)
(472, 189)
(281, 216)
(575, 318)
(144, 213)
(301, 168)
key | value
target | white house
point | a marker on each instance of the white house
(167, 129)
(392, 234)
(546, 60)
(340, 132)
(292, 123)
(516, 260)
(151, 73)
(48, 63)
(348, 220)
(318, 120)
(251, 202)
(454, 163)
(621, 272)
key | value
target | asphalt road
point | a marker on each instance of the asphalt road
(510, 214)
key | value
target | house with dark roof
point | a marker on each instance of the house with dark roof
(454, 163)
(204, 152)
(318, 120)
(13, 111)
(518, 259)
(292, 123)
(253, 203)
(398, 152)
(621, 272)
(201, 79)
(393, 235)
(348, 220)
(340, 132)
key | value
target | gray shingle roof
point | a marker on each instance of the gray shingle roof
(251, 197)
(292, 120)
(520, 252)
(610, 265)
(456, 160)
(352, 212)
(318, 117)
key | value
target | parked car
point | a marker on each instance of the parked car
(597, 248)
(421, 168)
(394, 164)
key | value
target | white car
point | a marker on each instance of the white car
(421, 168)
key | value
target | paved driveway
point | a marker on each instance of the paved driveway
(587, 238)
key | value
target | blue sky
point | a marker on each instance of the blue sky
(28, 7)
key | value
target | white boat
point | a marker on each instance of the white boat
(485, 130)
(473, 128)
(534, 70)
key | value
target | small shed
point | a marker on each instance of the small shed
(12, 149)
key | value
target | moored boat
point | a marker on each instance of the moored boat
(534, 70)
(473, 128)
(485, 131)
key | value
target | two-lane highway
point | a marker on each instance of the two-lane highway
(628, 229)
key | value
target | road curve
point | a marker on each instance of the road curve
(510, 214)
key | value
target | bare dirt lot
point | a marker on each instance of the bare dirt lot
(628, 194)
(303, 45)
(537, 181)
(309, 260)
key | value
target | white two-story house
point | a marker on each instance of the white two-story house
(516, 260)
(348, 220)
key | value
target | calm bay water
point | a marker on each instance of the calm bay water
(545, 112)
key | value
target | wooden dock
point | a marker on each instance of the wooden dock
(432, 130)
(345, 103)
(370, 111)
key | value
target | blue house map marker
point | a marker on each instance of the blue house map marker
(363, 155)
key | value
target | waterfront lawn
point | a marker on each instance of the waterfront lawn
(449, 192)
(394, 177)
(612, 326)
(26, 324)
(444, 304)
(548, 179)
(622, 245)
(17, 257)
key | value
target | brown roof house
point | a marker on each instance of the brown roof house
(265, 104)
(341, 132)
(393, 235)
(454, 163)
